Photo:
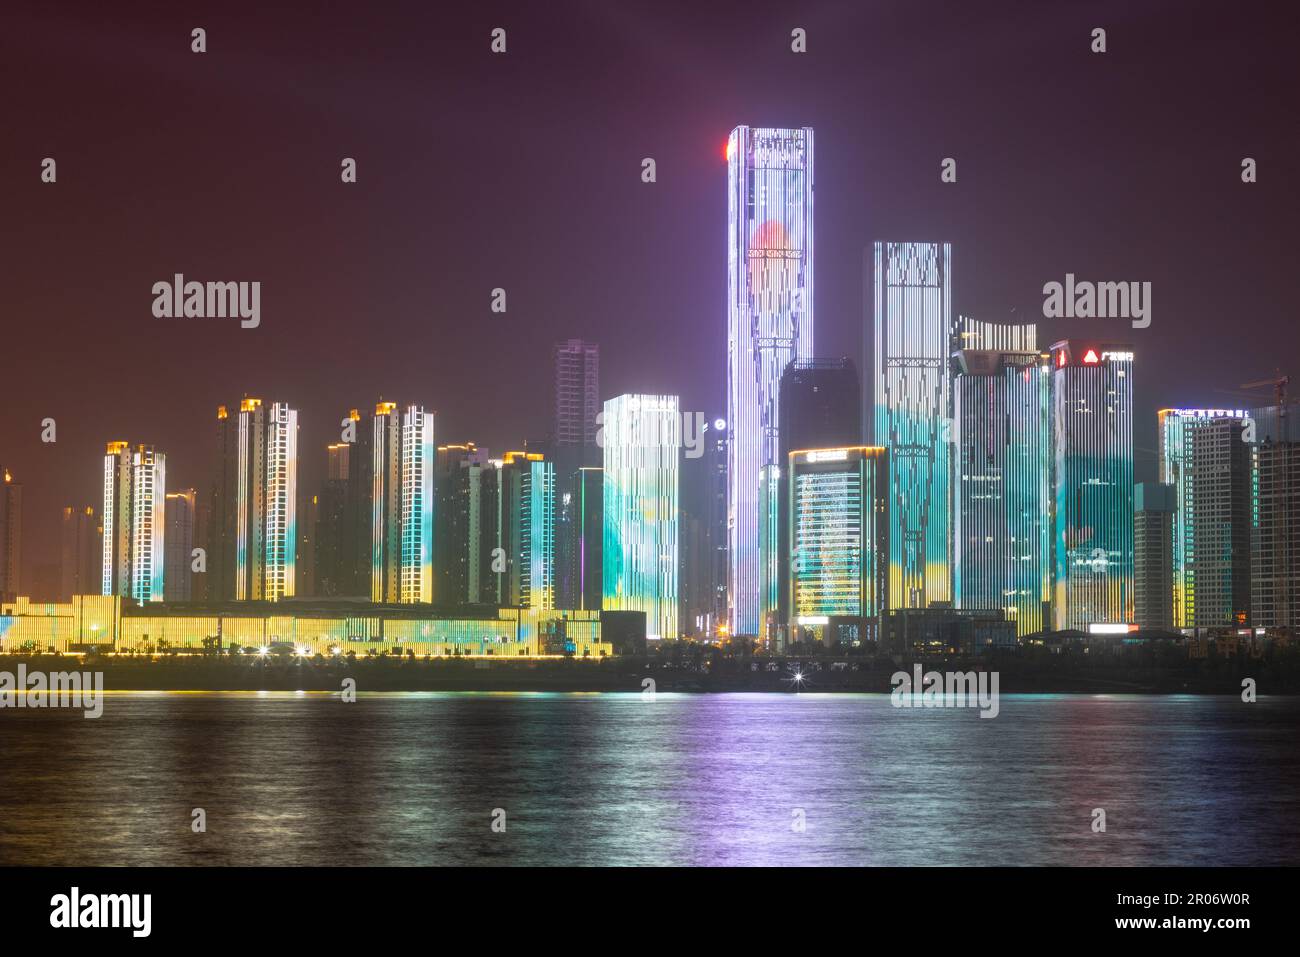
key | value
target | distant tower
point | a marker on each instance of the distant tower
(576, 393)
(1275, 539)
(769, 323)
(11, 533)
(401, 499)
(80, 553)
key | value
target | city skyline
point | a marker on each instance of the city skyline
(401, 259)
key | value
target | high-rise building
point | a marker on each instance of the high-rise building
(582, 516)
(80, 553)
(527, 499)
(11, 534)
(179, 516)
(253, 546)
(702, 531)
(457, 559)
(1001, 468)
(334, 576)
(1204, 455)
(576, 392)
(769, 323)
(1155, 505)
(643, 443)
(839, 548)
(912, 329)
(1275, 534)
(134, 519)
(401, 472)
(821, 408)
(1092, 481)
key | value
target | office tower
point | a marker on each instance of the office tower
(1204, 456)
(912, 328)
(253, 546)
(11, 534)
(401, 504)
(576, 393)
(179, 516)
(573, 446)
(702, 530)
(334, 577)
(821, 407)
(1155, 506)
(306, 583)
(457, 484)
(769, 323)
(643, 443)
(1001, 445)
(583, 518)
(1092, 480)
(135, 489)
(984, 336)
(80, 553)
(839, 543)
(1275, 535)
(527, 501)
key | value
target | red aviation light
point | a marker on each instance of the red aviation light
(1060, 359)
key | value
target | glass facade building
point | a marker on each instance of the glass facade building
(135, 491)
(1092, 479)
(1001, 495)
(642, 442)
(769, 323)
(912, 329)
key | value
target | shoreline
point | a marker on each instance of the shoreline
(628, 674)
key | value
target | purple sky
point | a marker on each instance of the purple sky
(523, 171)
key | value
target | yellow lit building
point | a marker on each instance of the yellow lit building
(103, 622)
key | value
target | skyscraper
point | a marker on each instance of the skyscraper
(401, 500)
(576, 394)
(179, 516)
(11, 534)
(642, 442)
(135, 489)
(912, 329)
(769, 323)
(457, 546)
(252, 553)
(1275, 535)
(1000, 473)
(839, 528)
(334, 576)
(1204, 456)
(1092, 480)
(1155, 505)
(80, 553)
(527, 496)
(821, 407)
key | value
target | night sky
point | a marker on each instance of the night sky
(523, 171)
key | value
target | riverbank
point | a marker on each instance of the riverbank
(1016, 675)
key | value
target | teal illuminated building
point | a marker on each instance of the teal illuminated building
(839, 536)
(1001, 494)
(1092, 479)
(912, 326)
(527, 497)
(642, 441)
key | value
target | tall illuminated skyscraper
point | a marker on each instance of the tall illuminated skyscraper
(839, 537)
(769, 323)
(912, 329)
(642, 442)
(401, 499)
(253, 535)
(1001, 493)
(1204, 457)
(527, 496)
(135, 490)
(1092, 480)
